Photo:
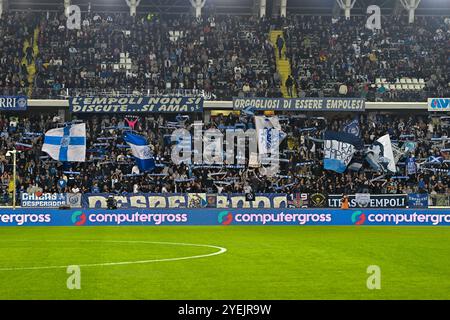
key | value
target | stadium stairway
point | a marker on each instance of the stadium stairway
(283, 64)
(31, 68)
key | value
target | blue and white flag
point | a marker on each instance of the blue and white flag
(353, 128)
(66, 144)
(141, 151)
(339, 148)
(435, 160)
(411, 167)
(380, 155)
(269, 134)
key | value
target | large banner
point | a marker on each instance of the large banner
(217, 217)
(50, 200)
(198, 200)
(135, 104)
(13, 103)
(301, 104)
(438, 104)
(418, 200)
(374, 201)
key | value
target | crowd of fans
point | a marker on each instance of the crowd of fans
(111, 169)
(222, 56)
(339, 57)
(15, 28)
(116, 53)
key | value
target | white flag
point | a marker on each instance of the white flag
(67, 143)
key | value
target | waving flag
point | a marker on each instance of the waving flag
(411, 167)
(435, 160)
(141, 151)
(66, 144)
(381, 156)
(270, 134)
(339, 148)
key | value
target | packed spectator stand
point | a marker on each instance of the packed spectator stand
(109, 168)
(225, 57)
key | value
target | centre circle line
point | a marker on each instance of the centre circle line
(221, 250)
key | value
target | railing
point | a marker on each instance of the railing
(75, 92)
(439, 200)
(62, 94)
(223, 94)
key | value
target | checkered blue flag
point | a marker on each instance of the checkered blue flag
(66, 144)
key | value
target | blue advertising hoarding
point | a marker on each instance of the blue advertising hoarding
(438, 104)
(13, 103)
(158, 104)
(300, 104)
(217, 217)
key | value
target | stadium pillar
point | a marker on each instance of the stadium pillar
(411, 6)
(198, 5)
(347, 6)
(262, 8)
(133, 4)
(66, 4)
(283, 6)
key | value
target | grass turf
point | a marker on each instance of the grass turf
(261, 262)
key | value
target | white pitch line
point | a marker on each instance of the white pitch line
(220, 251)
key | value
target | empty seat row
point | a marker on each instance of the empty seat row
(401, 81)
(402, 86)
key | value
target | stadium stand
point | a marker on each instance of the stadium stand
(401, 63)
(109, 168)
(224, 56)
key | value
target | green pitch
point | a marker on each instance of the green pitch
(260, 262)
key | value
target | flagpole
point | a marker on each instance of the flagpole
(8, 154)
(14, 177)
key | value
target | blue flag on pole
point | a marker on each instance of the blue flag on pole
(141, 151)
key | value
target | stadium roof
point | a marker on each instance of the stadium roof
(242, 7)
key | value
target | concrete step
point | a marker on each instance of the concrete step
(283, 64)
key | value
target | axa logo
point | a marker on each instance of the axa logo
(225, 217)
(439, 103)
(78, 218)
(358, 217)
